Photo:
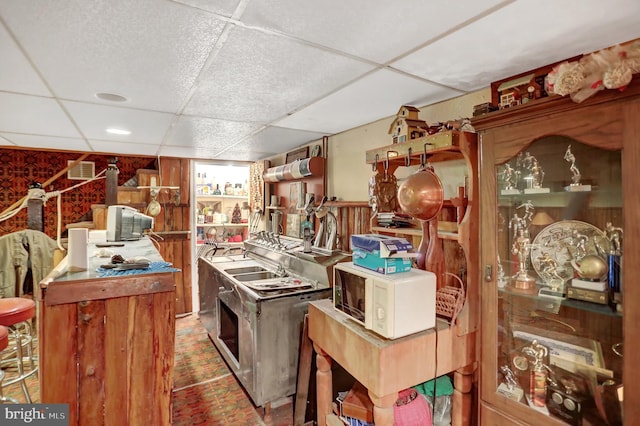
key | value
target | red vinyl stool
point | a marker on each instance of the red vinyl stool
(16, 314)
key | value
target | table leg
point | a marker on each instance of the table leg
(324, 385)
(462, 385)
(383, 408)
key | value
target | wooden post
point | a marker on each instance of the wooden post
(35, 210)
(111, 196)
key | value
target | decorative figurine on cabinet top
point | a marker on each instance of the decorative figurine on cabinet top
(407, 125)
(575, 186)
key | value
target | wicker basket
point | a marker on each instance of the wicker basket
(450, 300)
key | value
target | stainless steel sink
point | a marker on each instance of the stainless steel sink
(244, 270)
(255, 276)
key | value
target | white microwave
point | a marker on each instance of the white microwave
(390, 305)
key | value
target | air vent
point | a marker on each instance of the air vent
(84, 170)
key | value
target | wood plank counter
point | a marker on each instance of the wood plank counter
(106, 345)
(386, 367)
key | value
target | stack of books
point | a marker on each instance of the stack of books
(394, 220)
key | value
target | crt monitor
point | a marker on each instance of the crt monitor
(125, 223)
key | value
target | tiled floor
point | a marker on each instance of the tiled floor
(205, 390)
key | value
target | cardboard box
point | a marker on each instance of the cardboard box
(382, 254)
(357, 404)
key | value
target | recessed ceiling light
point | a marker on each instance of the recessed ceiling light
(116, 131)
(111, 97)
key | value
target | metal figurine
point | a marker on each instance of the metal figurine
(537, 174)
(510, 177)
(522, 248)
(614, 234)
(575, 173)
(579, 241)
(528, 213)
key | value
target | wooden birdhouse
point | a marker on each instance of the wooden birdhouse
(518, 91)
(407, 125)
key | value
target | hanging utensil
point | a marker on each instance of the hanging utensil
(421, 196)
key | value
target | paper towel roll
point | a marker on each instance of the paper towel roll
(78, 253)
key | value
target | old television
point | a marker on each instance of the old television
(125, 223)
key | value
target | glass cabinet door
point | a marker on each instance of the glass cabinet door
(558, 240)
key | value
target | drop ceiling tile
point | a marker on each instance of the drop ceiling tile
(49, 142)
(6, 142)
(208, 133)
(123, 148)
(260, 77)
(273, 140)
(243, 155)
(377, 31)
(501, 45)
(377, 95)
(222, 7)
(34, 115)
(146, 50)
(16, 73)
(146, 126)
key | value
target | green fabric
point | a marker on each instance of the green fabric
(443, 386)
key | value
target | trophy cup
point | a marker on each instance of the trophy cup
(614, 235)
(521, 246)
(553, 281)
(575, 185)
(535, 177)
(510, 179)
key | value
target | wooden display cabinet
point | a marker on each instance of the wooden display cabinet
(604, 134)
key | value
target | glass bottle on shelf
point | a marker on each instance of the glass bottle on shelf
(217, 190)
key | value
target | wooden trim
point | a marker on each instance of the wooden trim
(107, 288)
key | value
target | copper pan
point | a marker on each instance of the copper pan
(421, 196)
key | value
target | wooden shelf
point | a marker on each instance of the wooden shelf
(228, 225)
(415, 232)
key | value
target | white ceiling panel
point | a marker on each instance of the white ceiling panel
(378, 31)
(247, 79)
(149, 51)
(123, 148)
(506, 43)
(16, 73)
(6, 142)
(274, 140)
(261, 77)
(145, 126)
(222, 7)
(34, 115)
(379, 94)
(49, 142)
(208, 132)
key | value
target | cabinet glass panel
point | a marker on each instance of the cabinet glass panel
(559, 248)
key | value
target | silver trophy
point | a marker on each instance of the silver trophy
(575, 186)
(521, 246)
(535, 178)
(510, 179)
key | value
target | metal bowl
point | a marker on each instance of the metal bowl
(421, 195)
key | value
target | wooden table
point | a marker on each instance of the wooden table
(106, 345)
(386, 367)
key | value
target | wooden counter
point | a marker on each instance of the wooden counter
(386, 367)
(106, 345)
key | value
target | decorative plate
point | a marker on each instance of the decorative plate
(563, 241)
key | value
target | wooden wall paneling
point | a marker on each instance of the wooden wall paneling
(116, 338)
(91, 333)
(140, 331)
(54, 355)
(163, 343)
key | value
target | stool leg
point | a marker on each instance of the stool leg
(5, 399)
(21, 367)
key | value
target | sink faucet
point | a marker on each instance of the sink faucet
(281, 272)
